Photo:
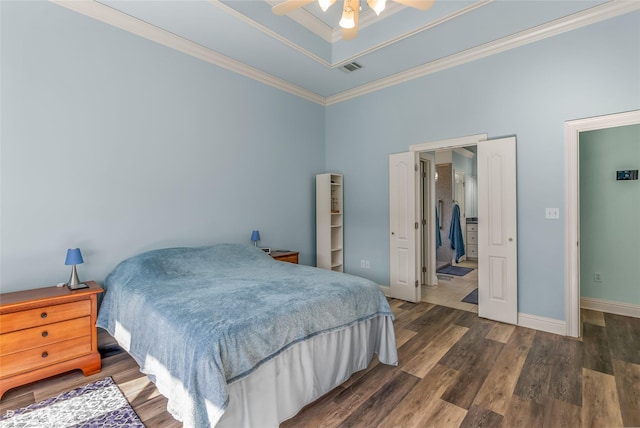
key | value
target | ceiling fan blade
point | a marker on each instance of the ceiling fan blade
(289, 6)
(418, 4)
(352, 33)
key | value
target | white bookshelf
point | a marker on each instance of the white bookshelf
(329, 222)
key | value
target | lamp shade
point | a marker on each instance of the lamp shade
(74, 257)
(255, 235)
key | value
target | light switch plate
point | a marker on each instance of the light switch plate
(553, 213)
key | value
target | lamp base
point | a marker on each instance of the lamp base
(78, 286)
(74, 283)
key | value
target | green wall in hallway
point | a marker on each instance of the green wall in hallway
(609, 221)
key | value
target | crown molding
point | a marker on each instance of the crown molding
(307, 20)
(332, 35)
(140, 28)
(420, 29)
(326, 32)
(590, 16)
(108, 15)
(231, 11)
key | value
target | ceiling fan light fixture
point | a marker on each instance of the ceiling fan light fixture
(347, 21)
(350, 10)
(325, 4)
(377, 5)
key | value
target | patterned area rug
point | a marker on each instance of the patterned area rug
(100, 404)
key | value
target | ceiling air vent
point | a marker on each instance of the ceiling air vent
(352, 66)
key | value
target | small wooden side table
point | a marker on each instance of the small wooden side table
(286, 256)
(47, 331)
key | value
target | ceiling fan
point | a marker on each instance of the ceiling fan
(350, 9)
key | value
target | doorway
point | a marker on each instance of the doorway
(456, 281)
(572, 221)
(497, 230)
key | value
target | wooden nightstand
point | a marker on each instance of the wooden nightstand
(47, 331)
(285, 256)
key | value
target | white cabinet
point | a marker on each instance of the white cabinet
(472, 241)
(329, 226)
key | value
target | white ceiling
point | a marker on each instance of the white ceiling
(302, 52)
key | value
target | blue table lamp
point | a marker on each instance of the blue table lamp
(74, 257)
(255, 237)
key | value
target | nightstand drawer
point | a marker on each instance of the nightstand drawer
(47, 331)
(285, 256)
(22, 340)
(45, 315)
(43, 356)
(289, 259)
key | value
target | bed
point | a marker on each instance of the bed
(235, 338)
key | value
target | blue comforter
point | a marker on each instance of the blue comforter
(207, 316)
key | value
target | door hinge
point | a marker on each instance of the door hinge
(424, 269)
(424, 174)
(424, 222)
(417, 225)
(416, 283)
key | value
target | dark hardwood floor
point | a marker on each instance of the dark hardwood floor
(456, 370)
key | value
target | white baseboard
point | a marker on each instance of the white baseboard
(618, 308)
(537, 322)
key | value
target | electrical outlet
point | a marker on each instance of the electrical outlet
(597, 277)
(552, 213)
(367, 265)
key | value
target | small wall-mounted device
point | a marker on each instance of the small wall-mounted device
(627, 174)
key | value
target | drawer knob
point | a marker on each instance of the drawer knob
(43, 315)
(45, 354)
(45, 334)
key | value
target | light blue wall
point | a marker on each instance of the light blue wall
(117, 145)
(609, 214)
(529, 92)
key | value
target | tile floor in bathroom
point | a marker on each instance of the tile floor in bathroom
(452, 289)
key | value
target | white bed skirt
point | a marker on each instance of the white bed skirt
(279, 388)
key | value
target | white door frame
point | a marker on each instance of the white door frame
(573, 129)
(430, 226)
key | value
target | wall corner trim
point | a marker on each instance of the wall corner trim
(537, 322)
